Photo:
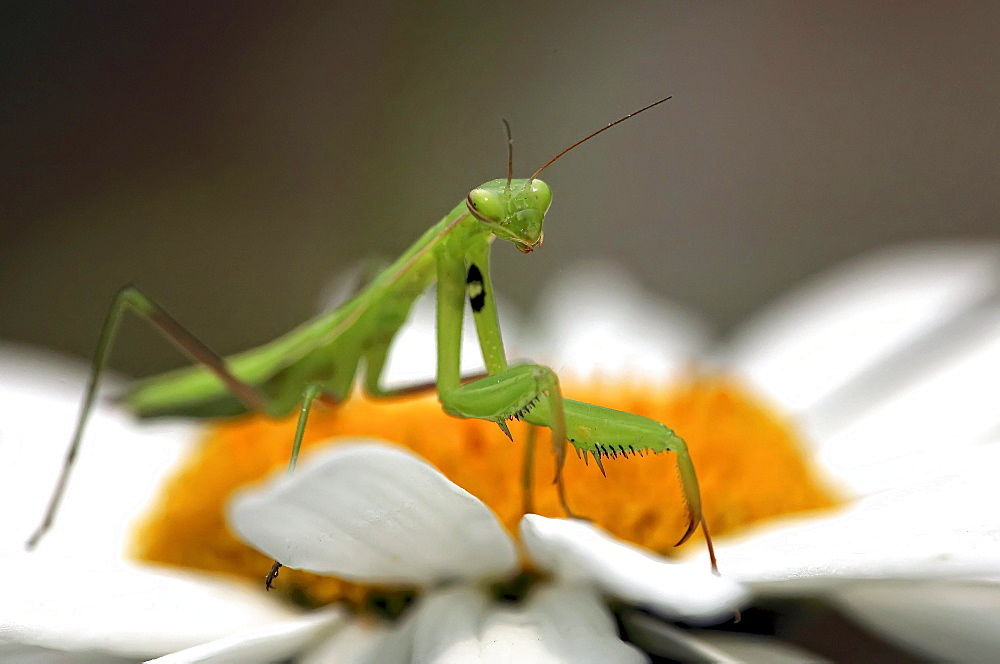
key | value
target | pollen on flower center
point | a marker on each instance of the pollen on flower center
(749, 462)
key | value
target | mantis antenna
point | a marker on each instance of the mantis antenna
(587, 138)
(510, 153)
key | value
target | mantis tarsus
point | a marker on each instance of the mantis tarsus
(321, 357)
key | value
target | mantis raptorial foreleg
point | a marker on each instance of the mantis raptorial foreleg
(603, 432)
(531, 392)
(507, 392)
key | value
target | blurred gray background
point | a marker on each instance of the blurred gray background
(231, 157)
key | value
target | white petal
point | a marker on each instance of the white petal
(686, 645)
(118, 471)
(598, 322)
(446, 627)
(831, 331)
(363, 640)
(945, 621)
(268, 643)
(577, 550)
(13, 653)
(556, 624)
(135, 611)
(944, 528)
(755, 648)
(923, 429)
(376, 513)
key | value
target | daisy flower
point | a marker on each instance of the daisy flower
(885, 367)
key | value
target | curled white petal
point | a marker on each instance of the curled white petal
(274, 642)
(555, 624)
(829, 332)
(955, 621)
(376, 513)
(577, 550)
(128, 610)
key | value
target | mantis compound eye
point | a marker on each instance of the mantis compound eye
(485, 206)
(543, 195)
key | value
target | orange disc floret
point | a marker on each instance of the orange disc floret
(749, 462)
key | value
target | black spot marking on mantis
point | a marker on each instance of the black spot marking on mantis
(474, 286)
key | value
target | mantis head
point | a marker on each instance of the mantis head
(513, 210)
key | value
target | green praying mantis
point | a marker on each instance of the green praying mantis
(321, 358)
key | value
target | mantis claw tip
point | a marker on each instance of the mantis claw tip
(692, 525)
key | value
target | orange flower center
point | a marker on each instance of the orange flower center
(749, 462)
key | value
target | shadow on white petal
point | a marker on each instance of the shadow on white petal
(127, 610)
(832, 330)
(373, 512)
(577, 550)
(956, 621)
(665, 640)
(598, 322)
(275, 642)
(555, 624)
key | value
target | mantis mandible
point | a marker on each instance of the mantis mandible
(321, 357)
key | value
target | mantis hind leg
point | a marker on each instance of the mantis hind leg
(131, 297)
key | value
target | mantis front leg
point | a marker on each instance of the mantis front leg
(531, 392)
(507, 392)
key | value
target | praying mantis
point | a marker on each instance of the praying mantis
(322, 357)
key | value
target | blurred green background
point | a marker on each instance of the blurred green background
(232, 157)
